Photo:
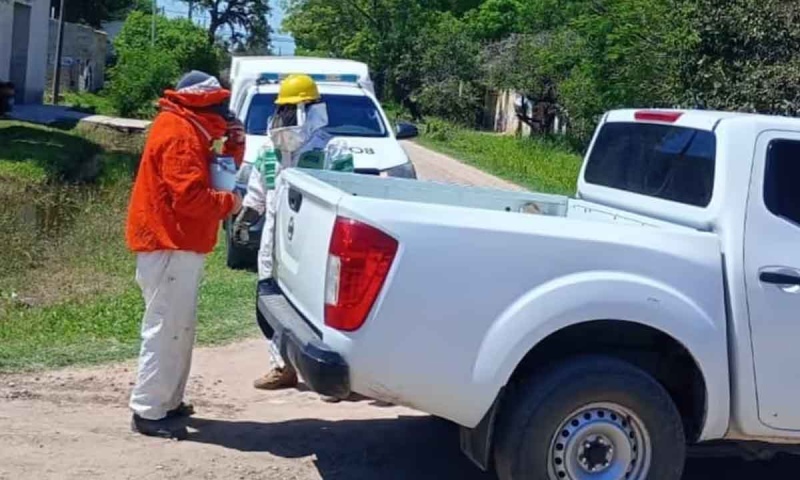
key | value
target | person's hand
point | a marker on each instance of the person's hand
(236, 132)
(240, 230)
(237, 203)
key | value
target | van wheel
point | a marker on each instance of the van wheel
(592, 417)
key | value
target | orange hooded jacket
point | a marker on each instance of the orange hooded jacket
(173, 206)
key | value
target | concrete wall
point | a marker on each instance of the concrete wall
(6, 18)
(37, 46)
(83, 57)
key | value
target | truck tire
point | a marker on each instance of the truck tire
(236, 257)
(592, 417)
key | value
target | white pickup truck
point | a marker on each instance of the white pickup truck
(571, 338)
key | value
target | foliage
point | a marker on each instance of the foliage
(138, 80)
(379, 32)
(747, 57)
(143, 70)
(246, 22)
(572, 58)
(447, 70)
(93, 12)
(87, 102)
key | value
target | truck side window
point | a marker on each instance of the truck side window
(781, 194)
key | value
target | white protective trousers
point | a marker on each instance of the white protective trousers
(169, 281)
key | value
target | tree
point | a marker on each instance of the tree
(93, 12)
(378, 32)
(143, 70)
(447, 72)
(746, 57)
(246, 21)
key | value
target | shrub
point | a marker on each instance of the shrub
(144, 69)
(138, 80)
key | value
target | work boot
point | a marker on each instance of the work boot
(277, 379)
(182, 410)
(164, 428)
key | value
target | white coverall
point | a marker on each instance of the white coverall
(169, 282)
(262, 199)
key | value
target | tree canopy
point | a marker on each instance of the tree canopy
(93, 12)
(581, 57)
(246, 22)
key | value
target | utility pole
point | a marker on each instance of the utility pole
(191, 7)
(59, 50)
(152, 23)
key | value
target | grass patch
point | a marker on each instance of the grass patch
(36, 152)
(542, 164)
(86, 329)
(87, 102)
(67, 289)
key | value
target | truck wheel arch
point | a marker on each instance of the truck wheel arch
(623, 304)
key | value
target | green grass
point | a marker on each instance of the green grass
(543, 164)
(90, 103)
(67, 289)
(33, 152)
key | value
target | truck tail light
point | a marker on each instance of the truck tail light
(359, 260)
(657, 116)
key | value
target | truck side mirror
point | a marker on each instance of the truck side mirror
(406, 130)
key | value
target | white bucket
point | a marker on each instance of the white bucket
(223, 173)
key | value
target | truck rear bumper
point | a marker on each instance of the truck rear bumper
(323, 370)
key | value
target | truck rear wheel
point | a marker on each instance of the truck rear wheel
(592, 417)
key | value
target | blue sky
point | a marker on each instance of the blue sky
(282, 44)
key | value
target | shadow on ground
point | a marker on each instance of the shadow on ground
(411, 448)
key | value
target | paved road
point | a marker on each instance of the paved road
(73, 424)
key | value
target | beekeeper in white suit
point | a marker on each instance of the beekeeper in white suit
(297, 138)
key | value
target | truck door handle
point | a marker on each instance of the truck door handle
(295, 200)
(779, 278)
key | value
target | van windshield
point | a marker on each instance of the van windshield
(663, 161)
(348, 115)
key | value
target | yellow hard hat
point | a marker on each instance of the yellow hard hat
(296, 89)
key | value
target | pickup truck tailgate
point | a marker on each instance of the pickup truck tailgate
(303, 227)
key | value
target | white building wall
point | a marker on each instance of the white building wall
(37, 51)
(37, 45)
(6, 19)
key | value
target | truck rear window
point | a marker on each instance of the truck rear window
(663, 161)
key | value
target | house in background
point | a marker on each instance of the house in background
(24, 26)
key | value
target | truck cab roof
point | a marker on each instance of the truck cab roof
(699, 119)
(707, 155)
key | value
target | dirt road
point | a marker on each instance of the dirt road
(73, 424)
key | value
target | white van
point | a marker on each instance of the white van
(354, 114)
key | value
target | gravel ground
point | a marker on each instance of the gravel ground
(74, 423)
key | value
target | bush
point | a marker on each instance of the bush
(137, 81)
(144, 70)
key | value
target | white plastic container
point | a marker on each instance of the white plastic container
(223, 173)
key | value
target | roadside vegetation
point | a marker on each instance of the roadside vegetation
(67, 289)
(543, 164)
(573, 59)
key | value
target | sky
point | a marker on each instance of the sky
(281, 44)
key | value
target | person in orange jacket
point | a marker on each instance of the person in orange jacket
(173, 221)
